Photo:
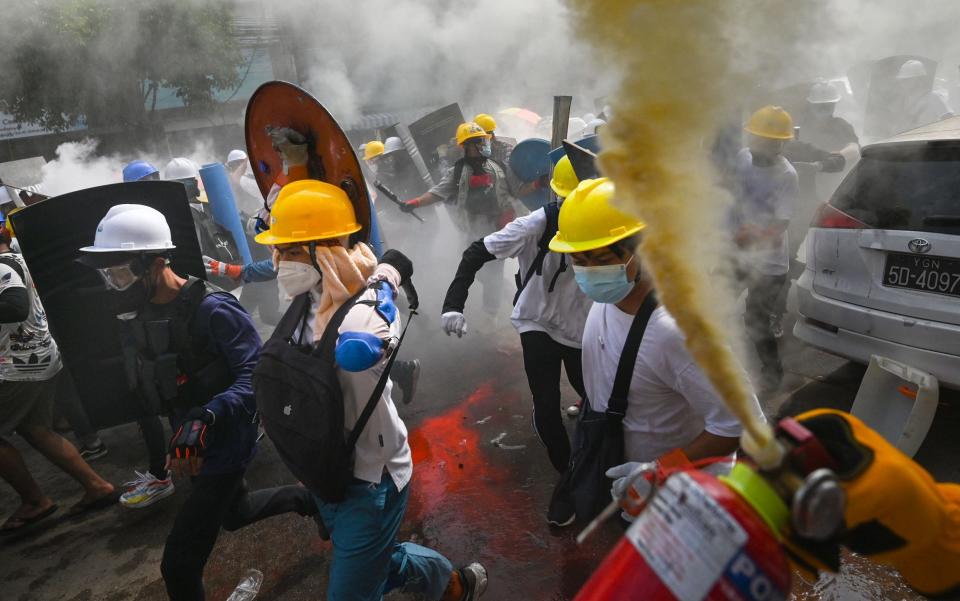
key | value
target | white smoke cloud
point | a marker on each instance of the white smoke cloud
(385, 55)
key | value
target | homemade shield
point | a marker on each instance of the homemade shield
(79, 307)
(278, 104)
(435, 138)
(224, 205)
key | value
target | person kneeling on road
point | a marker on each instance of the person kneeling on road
(668, 403)
(195, 349)
(341, 294)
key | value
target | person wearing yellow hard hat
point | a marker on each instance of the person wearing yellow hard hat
(333, 352)
(501, 147)
(549, 309)
(766, 189)
(636, 368)
(481, 197)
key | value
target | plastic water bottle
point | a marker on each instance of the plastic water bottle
(248, 588)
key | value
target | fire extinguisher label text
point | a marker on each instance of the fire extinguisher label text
(686, 537)
(751, 581)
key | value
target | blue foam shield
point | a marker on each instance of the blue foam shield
(224, 205)
(529, 160)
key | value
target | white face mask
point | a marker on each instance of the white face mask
(295, 278)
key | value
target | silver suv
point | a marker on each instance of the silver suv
(882, 270)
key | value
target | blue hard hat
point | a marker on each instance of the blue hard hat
(137, 170)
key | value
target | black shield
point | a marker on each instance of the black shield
(77, 303)
(435, 138)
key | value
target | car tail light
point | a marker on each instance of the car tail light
(830, 217)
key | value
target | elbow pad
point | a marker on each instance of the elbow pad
(359, 351)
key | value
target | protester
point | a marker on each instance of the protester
(207, 390)
(478, 189)
(669, 404)
(766, 187)
(29, 369)
(549, 309)
(322, 269)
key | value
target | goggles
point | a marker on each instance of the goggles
(120, 277)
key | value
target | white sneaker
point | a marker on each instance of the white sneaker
(474, 578)
(146, 490)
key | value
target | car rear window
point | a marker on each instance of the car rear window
(914, 189)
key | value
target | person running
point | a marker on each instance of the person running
(549, 309)
(30, 366)
(340, 293)
(195, 349)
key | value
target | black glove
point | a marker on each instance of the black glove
(190, 440)
(408, 206)
(404, 267)
(400, 262)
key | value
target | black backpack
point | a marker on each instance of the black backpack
(552, 211)
(301, 404)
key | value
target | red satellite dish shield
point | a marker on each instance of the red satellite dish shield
(278, 104)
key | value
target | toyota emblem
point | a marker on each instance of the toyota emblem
(919, 246)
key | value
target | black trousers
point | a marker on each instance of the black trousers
(762, 294)
(151, 428)
(542, 359)
(219, 501)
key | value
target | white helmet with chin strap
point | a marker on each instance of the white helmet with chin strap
(181, 168)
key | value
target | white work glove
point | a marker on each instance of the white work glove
(454, 322)
(622, 474)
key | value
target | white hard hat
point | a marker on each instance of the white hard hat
(575, 127)
(392, 144)
(912, 68)
(591, 127)
(823, 92)
(131, 228)
(181, 168)
(236, 155)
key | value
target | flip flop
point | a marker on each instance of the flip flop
(95, 505)
(24, 522)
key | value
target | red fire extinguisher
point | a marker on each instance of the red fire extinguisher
(698, 538)
(711, 538)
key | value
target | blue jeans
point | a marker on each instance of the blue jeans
(368, 562)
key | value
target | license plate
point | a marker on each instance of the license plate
(928, 274)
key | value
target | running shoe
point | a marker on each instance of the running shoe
(146, 490)
(92, 452)
(474, 579)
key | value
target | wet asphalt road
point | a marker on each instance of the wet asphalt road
(470, 499)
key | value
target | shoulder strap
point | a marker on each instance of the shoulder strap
(552, 212)
(331, 332)
(14, 265)
(377, 390)
(617, 405)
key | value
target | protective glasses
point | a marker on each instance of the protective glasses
(120, 277)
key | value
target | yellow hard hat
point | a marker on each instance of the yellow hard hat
(564, 178)
(470, 130)
(771, 122)
(589, 221)
(308, 210)
(485, 121)
(9, 224)
(371, 149)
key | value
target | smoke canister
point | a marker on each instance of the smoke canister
(700, 537)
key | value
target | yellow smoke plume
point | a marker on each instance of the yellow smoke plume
(681, 72)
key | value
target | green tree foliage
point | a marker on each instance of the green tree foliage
(106, 59)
